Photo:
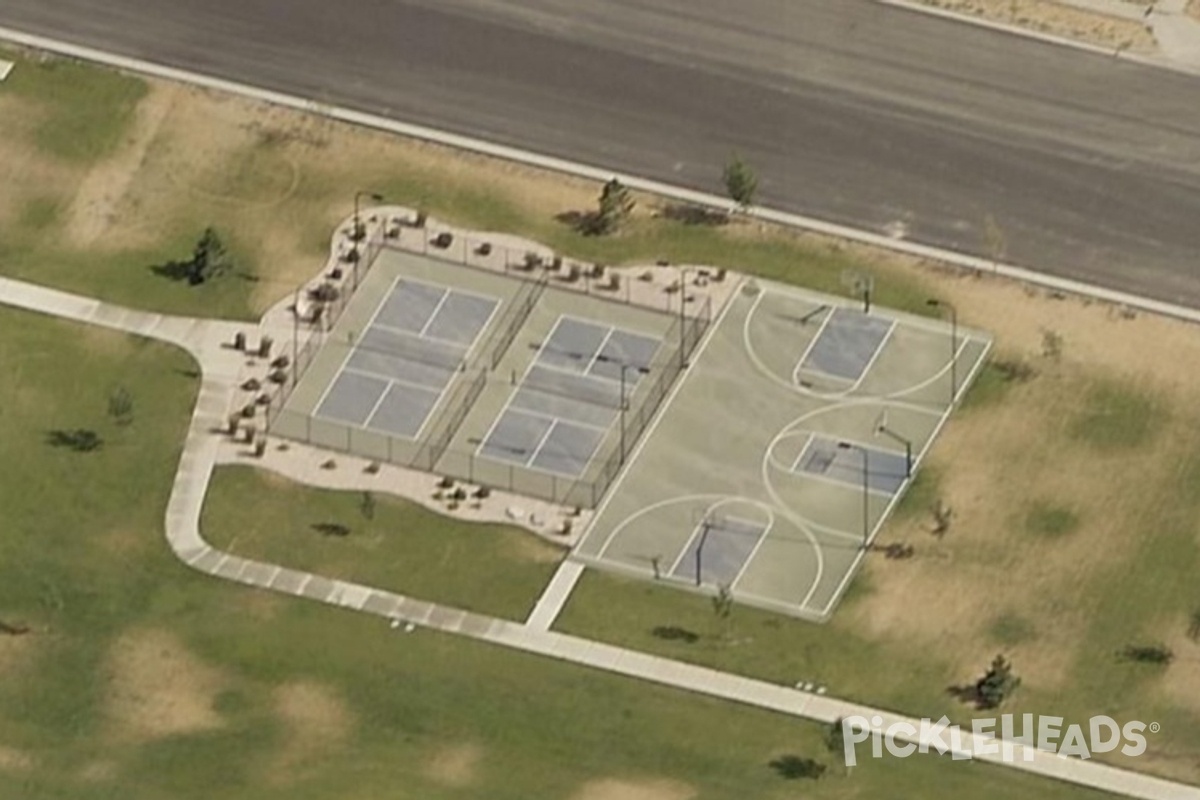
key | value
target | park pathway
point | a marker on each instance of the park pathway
(209, 342)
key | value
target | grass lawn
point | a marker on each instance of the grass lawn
(394, 544)
(143, 679)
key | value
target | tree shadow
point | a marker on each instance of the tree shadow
(968, 694)
(331, 529)
(792, 767)
(585, 223)
(674, 633)
(688, 214)
(178, 271)
(79, 440)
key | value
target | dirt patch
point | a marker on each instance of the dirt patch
(1181, 682)
(100, 199)
(317, 722)
(17, 652)
(99, 771)
(654, 789)
(529, 548)
(455, 766)
(1058, 19)
(25, 174)
(1194, 9)
(14, 760)
(156, 688)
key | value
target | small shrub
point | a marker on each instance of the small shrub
(483, 493)
(1148, 654)
(325, 293)
(674, 633)
(446, 482)
(795, 767)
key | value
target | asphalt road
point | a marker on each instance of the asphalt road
(851, 111)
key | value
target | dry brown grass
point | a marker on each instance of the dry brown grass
(14, 760)
(156, 688)
(456, 766)
(100, 201)
(1058, 19)
(317, 722)
(652, 789)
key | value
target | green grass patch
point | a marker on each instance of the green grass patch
(758, 644)
(83, 560)
(1048, 521)
(1010, 630)
(921, 495)
(402, 546)
(83, 111)
(1115, 415)
(994, 382)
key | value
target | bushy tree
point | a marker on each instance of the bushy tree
(741, 183)
(997, 684)
(210, 259)
(615, 206)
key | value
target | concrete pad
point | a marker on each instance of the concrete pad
(5, 68)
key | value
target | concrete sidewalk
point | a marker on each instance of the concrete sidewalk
(1176, 33)
(207, 341)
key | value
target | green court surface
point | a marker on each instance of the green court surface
(783, 448)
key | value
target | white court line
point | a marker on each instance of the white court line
(353, 346)
(647, 434)
(496, 305)
(531, 413)
(540, 444)
(429, 320)
(762, 537)
(687, 545)
(587, 373)
(591, 323)
(513, 393)
(866, 370)
(560, 420)
(803, 356)
(386, 390)
(800, 456)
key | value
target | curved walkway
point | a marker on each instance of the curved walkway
(208, 341)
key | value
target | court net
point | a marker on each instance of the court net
(389, 344)
(584, 388)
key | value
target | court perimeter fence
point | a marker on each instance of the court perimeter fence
(432, 451)
(323, 317)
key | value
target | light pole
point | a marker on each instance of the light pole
(866, 487)
(705, 526)
(908, 459)
(935, 303)
(357, 235)
(683, 272)
(295, 337)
